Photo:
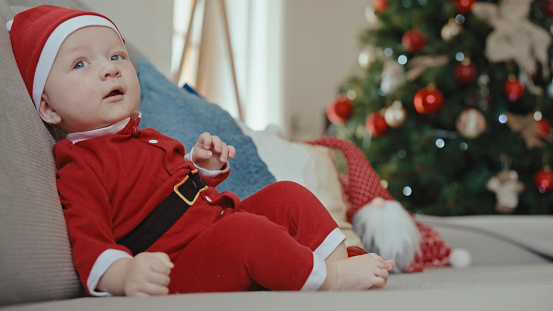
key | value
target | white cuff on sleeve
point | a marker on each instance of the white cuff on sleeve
(317, 276)
(330, 243)
(203, 171)
(103, 262)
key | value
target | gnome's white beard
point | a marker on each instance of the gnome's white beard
(388, 230)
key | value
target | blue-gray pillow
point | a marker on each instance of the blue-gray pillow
(182, 114)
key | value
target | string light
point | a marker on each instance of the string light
(402, 59)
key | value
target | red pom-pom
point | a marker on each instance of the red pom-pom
(513, 88)
(413, 41)
(428, 100)
(544, 180)
(376, 124)
(465, 72)
(339, 110)
(463, 6)
(380, 5)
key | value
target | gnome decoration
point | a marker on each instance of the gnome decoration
(384, 226)
(507, 187)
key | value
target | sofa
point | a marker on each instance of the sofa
(511, 256)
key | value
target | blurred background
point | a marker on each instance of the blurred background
(450, 100)
(290, 56)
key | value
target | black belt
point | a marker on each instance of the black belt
(165, 214)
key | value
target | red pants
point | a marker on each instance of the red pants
(268, 242)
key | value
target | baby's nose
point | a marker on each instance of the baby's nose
(109, 69)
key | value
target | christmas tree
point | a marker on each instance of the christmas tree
(452, 104)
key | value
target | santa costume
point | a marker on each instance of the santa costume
(126, 190)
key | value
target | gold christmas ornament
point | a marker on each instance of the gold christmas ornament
(371, 17)
(367, 56)
(451, 30)
(395, 115)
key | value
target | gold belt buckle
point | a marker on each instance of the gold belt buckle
(176, 189)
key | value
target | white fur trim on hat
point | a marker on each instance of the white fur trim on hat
(9, 25)
(53, 44)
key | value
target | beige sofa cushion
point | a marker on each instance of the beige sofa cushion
(35, 261)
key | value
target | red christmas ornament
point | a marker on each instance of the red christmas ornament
(463, 6)
(513, 88)
(428, 100)
(413, 40)
(544, 126)
(544, 179)
(380, 5)
(339, 110)
(465, 72)
(547, 8)
(376, 124)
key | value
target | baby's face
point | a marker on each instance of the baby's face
(92, 83)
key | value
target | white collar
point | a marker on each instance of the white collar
(104, 131)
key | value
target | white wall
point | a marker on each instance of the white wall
(320, 51)
(147, 24)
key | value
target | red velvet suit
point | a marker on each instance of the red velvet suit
(109, 184)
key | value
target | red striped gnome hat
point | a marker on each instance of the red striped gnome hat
(363, 184)
(38, 33)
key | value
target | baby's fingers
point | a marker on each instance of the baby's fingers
(231, 152)
(163, 263)
(151, 289)
(202, 154)
(381, 276)
(204, 141)
(223, 153)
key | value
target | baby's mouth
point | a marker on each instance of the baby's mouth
(114, 93)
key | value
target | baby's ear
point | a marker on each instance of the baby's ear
(47, 113)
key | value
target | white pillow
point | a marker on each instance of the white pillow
(311, 166)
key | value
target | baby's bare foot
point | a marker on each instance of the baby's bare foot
(357, 273)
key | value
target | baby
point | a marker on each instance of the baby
(144, 217)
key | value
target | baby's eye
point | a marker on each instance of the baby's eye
(116, 57)
(80, 64)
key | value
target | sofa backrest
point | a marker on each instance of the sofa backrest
(35, 255)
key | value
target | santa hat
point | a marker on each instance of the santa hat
(38, 33)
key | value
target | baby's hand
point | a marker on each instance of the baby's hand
(147, 275)
(211, 153)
